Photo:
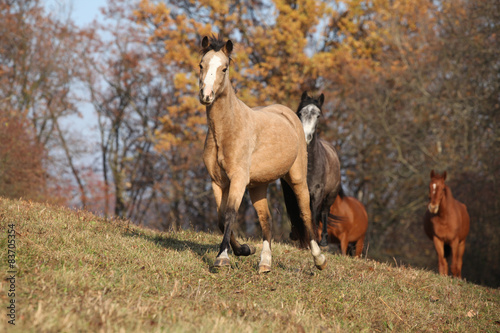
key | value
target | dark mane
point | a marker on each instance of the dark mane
(215, 43)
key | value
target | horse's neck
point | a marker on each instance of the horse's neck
(313, 147)
(223, 113)
(446, 201)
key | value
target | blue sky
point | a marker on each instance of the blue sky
(83, 127)
(82, 11)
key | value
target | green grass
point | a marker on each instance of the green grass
(79, 272)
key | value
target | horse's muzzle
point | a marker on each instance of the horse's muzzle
(433, 208)
(207, 99)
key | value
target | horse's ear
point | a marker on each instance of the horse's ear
(228, 47)
(444, 175)
(432, 173)
(321, 99)
(304, 95)
(204, 42)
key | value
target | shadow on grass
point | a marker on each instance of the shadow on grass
(204, 251)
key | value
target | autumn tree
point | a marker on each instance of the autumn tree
(22, 172)
(39, 65)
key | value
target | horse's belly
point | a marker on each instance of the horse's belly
(273, 158)
(355, 234)
(266, 168)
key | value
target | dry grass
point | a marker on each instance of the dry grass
(78, 272)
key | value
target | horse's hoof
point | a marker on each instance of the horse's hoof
(320, 262)
(264, 269)
(252, 249)
(221, 262)
(321, 267)
(293, 236)
(323, 243)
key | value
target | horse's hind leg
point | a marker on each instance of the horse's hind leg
(325, 209)
(259, 200)
(324, 233)
(226, 218)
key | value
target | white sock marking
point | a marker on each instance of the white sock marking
(315, 250)
(265, 256)
(224, 254)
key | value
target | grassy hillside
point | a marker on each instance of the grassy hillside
(79, 272)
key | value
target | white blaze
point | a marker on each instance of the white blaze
(211, 76)
(309, 121)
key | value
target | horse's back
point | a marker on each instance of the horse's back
(283, 112)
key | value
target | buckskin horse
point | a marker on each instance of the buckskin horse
(446, 221)
(250, 148)
(347, 223)
(323, 165)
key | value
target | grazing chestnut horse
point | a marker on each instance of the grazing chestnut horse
(249, 148)
(352, 224)
(446, 221)
(323, 165)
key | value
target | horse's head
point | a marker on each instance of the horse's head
(216, 56)
(309, 111)
(436, 191)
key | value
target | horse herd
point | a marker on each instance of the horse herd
(248, 148)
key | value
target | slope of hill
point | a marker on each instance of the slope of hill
(74, 271)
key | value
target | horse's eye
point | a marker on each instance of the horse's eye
(201, 67)
(224, 70)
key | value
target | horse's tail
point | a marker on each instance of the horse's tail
(299, 231)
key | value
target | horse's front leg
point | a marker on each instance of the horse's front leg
(259, 200)
(439, 246)
(230, 203)
(301, 192)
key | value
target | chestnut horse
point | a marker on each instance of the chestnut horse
(249, 148)
(323, 165)
(347, 223)
(446, 221)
